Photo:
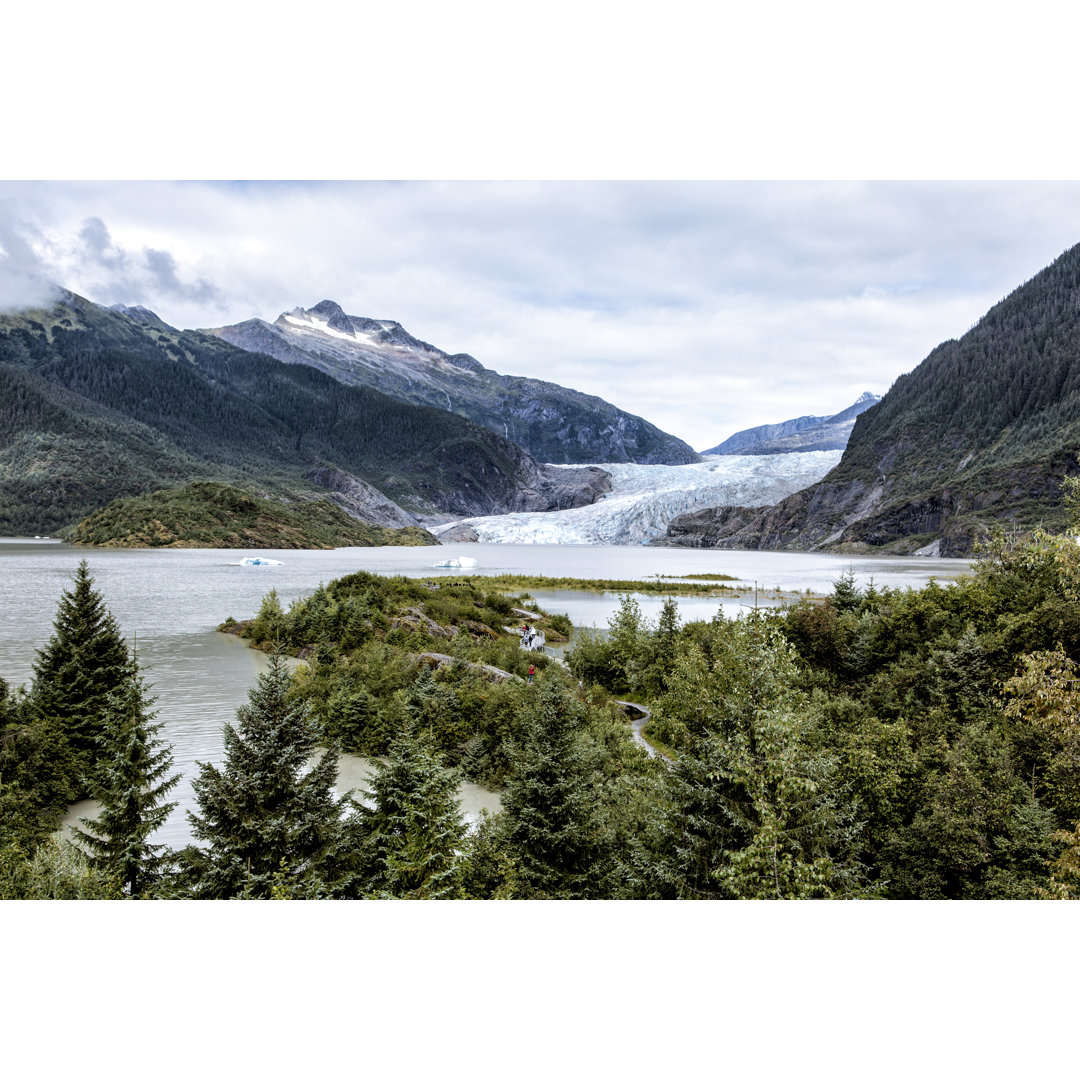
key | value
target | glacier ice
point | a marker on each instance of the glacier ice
(644, 498)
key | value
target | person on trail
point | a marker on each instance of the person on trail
(532, 671)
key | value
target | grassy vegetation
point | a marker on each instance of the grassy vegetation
(654, 586)
(699, 577)
(221, 516)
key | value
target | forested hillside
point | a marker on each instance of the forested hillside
(100, 404)
(980, 433)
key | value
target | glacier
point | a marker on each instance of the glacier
(644, 498)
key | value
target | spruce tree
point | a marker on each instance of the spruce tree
(549, 817)
(272, 826)
(754, 807)
(133, 767)
(415, 829)
(84, 662)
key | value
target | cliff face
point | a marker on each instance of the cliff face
(980, 434)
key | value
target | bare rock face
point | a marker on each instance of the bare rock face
(460, 534)
(547, 488)
(359, 499)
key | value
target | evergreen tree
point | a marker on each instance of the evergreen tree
(272, 826)
(549, 819)
(754, 807)
(84, 662)
(134, 764)
(415, 829)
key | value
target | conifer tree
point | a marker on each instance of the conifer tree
(549, 817)
(84, 662)
(754, 808)
(271, 826)
(415, 829)
(134, 763)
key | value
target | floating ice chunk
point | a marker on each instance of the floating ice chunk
(463, 563)
(257, 561)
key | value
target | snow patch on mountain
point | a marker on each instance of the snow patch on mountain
(645, 498)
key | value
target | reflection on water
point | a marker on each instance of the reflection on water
(171, 600)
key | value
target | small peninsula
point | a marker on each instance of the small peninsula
(211, 515)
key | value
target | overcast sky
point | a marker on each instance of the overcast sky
(705, 307)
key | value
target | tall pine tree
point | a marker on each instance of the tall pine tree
(415, 828)
(549, 819)
(133, 767)
(83, 664)
(754, 809)
(273, 827)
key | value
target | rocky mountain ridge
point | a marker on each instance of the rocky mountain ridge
(804, 433)
(551, 422)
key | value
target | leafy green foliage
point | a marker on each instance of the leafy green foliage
(55, 871)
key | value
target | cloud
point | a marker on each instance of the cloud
(162, 267)
(24, 280)
(704, 307)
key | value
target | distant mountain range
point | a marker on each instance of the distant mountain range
(801, 434)
(980, 434)
(99, 403)
(550, 422)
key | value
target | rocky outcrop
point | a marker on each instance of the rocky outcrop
(359, 499)
(547, 488)
(459, 534)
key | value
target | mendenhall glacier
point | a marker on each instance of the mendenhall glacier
(645, 498)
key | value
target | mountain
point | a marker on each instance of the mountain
(980, 434)
(97, 404)
(551, 422)
(804, 433)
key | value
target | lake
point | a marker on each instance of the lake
(170, 601)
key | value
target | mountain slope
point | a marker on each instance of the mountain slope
(804, 433)
(980, 433)
(551, 422)
(130, 404)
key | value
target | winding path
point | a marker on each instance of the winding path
(639, 717)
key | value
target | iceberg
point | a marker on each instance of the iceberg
(464, 563)
(645, 498)
(255, 560)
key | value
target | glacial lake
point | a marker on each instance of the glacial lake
(170, 601)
